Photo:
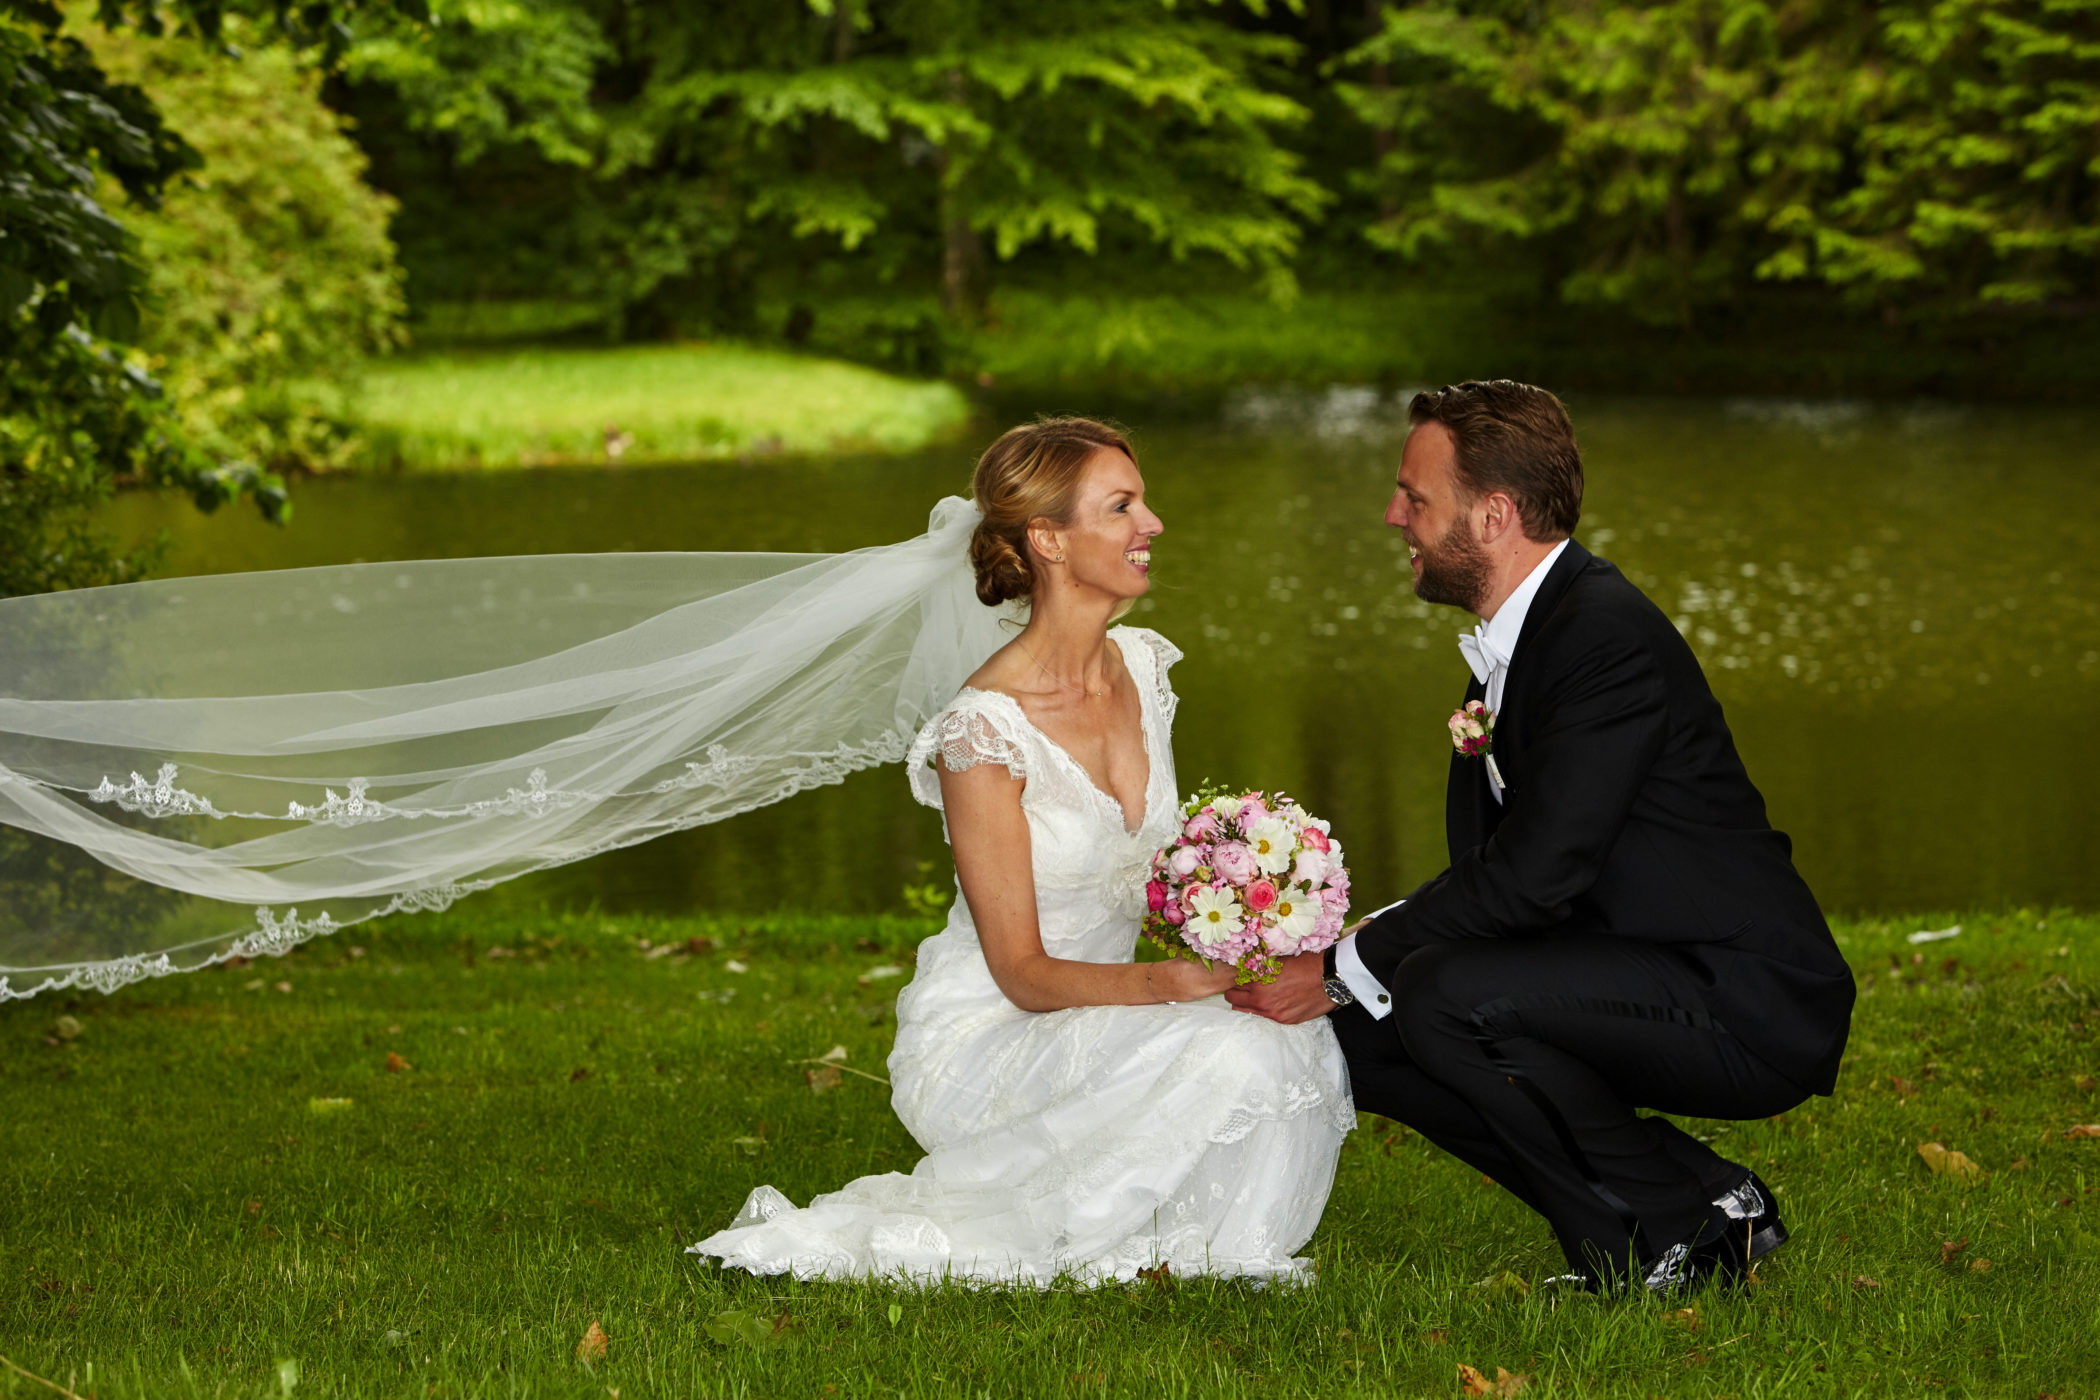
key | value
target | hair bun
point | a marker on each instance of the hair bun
(1002, 574)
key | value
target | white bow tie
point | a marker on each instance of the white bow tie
(1481, 654)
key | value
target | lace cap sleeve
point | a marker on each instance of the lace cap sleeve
(964, 735)
(1163, 654)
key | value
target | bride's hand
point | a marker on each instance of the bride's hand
(1181, 980)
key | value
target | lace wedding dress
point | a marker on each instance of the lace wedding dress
(1085, 1143)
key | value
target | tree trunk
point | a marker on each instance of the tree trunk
(961, 252)
(1381, 84)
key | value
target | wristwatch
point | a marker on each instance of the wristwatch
(1337, 990)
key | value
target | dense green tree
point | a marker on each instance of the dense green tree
(1935, 155)
(911, 140)
(270, 276)
(78, 410)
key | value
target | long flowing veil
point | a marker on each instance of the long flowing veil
(293, 752)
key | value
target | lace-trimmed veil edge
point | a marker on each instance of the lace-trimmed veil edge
(510, 715)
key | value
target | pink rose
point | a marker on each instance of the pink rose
(1310, 869)
(1261, 896)
(1184, 860)
(1315, 838)
(1172, 914)
(1233, 862)
(1155, 896)
(1201, 827)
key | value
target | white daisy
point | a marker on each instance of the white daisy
(1296, 911)
(1271, 839)
(1216, 917)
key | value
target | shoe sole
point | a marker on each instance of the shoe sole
(1765, 1241)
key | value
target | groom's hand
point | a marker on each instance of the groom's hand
(1296, 994)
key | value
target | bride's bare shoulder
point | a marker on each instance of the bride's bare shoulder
(1005, 671)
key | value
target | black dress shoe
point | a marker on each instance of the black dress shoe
(1753, 1216)
(1714, 1252)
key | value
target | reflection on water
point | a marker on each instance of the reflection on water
(1895, 605)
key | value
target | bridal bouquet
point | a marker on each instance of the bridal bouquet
(1252, 877)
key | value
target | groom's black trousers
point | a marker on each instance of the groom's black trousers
(1527, 1058)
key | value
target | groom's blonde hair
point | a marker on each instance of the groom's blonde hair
(1031, 473)
(1516, 439)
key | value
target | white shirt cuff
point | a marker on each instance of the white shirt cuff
(1370, 993)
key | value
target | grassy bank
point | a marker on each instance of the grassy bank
(217, 1177)
(558, 404)
(1096, 342)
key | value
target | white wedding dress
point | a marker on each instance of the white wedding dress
(1087, 1143)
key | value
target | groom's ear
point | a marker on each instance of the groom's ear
(1498, 515)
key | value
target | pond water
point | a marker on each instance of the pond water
(1897, 606)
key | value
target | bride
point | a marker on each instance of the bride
(345, 743)
(1083, 1115)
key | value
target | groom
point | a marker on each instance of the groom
(1619, 928)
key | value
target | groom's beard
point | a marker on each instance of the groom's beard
(1455, 570)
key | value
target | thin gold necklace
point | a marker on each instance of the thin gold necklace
(1091, 694)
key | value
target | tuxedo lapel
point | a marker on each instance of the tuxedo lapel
(1510, 727)
(1470, 809)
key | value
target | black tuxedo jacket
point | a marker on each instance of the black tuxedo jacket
(1628, 813)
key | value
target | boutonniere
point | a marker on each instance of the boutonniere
(1473, 735)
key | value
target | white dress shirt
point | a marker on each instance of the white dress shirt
(1489, 649)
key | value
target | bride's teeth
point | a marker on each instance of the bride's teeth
(1139, 556)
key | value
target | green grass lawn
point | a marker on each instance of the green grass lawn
(214, 1186)
(553, 405)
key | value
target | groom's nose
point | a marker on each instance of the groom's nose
(1396, 510)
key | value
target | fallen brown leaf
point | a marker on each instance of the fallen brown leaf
(1944, 1161)
(1862, 1282)
(1688, 1317)
(2086, 1082)
(1436, 1336)
(592, 1347)
(1472, 1382)
(2083, 1130)
(822, 1081)
(1980, 1266)
(575, 1075)
(1159, 1276)
(395, 1064)
(1903, 1087)
(1950, 1248)
(254, 1207)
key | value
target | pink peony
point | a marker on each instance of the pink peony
(1201, 827)
(1184, 860)
(1314, 837)
(1233, 862)
(1155, 896)
(1336, 899)
(1311, 868)
(1261, 896)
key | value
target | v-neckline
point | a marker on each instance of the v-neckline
(1144, 742)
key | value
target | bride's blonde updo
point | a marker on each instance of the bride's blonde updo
(1031, 473)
